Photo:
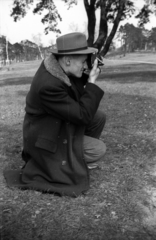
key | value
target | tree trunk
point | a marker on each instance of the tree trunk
(103, 27)
(114, 29)
(90, 10)
(41, 55)
(146, 46)
(7, 53)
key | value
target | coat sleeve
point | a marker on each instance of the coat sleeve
(57, 102)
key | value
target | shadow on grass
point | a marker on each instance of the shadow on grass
(111, 74)
(129, 77)
(22, 93)
(16, 81)
(62, 230)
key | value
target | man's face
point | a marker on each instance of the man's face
(77, 65)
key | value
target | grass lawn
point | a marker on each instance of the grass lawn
(121, 201)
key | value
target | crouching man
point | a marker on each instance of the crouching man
(62, 124)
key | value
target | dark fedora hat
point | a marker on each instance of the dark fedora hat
(72, 43)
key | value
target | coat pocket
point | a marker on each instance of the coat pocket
(46, 144)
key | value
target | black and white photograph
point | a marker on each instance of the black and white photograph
(77, 119)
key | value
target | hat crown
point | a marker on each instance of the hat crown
(71, 42)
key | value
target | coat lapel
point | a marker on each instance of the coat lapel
(52, 66)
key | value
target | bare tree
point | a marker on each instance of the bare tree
(7, 51)
(38, 41)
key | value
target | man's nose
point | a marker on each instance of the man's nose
(85, 65)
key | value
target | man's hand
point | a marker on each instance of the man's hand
(94, 73)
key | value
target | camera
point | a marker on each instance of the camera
(90, 60)
(100, 63)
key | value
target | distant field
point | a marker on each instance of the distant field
(135, 60)
(20, 69)
(132, 58)
(138, 56)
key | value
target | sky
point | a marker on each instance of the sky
(74, 19)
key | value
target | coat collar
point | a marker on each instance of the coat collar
(53, 67)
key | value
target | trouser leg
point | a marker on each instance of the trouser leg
(94, 149)
(95, 127)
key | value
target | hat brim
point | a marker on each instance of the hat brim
(89, 50)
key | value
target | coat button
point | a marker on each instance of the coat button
(65, 141)
(64, 163)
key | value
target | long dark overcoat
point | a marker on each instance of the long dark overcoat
(57, 111)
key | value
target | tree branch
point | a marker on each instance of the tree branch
(103, 26)
(115, 26)
(90, 10)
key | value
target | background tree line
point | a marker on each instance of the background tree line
(132, 38)
(135, 38)
(23, 51)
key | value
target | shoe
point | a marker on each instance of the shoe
(92, 165)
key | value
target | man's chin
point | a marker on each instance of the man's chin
(77, 75)
(80, 75)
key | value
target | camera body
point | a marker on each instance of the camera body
(90, 60)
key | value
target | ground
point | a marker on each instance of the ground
(121, 201)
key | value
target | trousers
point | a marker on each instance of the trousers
(94, 148)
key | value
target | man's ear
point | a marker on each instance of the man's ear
(67, 60)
